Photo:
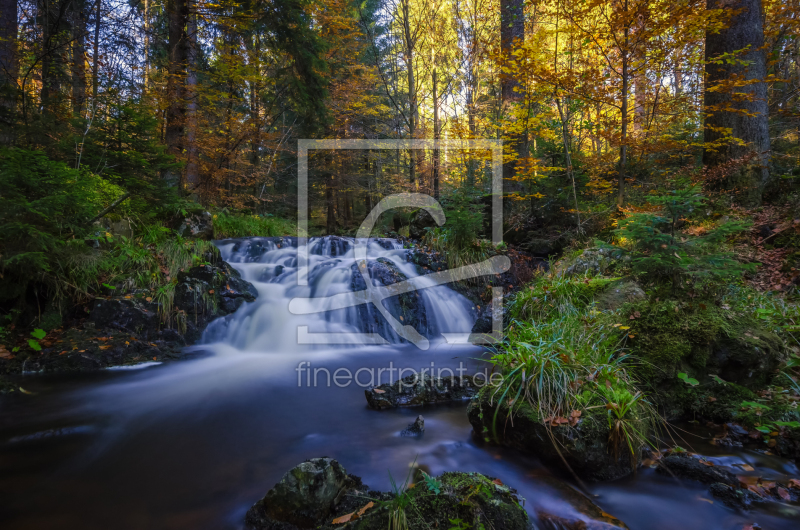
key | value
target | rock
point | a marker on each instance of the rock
(733, 497)
(408, 308)
(420, 220)
(619, 293)
(583, 515)
(197, 226)
(419, 390)
(416, 428)
(748, 359)
(584, 446)
(593, 261)
(304, 497)
(201, 295)
(473, 498)
(132, 315)
(688, 467)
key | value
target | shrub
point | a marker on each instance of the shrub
(45, 209)
(659, 249)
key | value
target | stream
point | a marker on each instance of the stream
(192, 444)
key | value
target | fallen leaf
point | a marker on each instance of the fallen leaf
(4, 353)
(747, 467)
(27, 391)
(366, 507)
(709, 501)
(783, 494)
(154, 358)
(758, 490)
(149, 298)
(378, 391)
(711, 399)
(576, 413)
(105, 347)
(707, 463)
(497, 481)
(344, 519)
(794, 483)
(211, 291)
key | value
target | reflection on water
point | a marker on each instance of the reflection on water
(191, 445)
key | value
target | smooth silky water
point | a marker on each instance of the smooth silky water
(192, 444)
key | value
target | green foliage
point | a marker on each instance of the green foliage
(45, 207)
(658, 248)
(688, 380)
(247, 225)
(458, 239)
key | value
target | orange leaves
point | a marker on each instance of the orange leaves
(560, 421)
(353, 515)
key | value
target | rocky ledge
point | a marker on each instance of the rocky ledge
(138, 327)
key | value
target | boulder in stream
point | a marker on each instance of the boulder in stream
(319, 494)
(420, 389)
(581, 448)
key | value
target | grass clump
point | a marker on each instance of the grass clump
(228, 225)
(562, 357)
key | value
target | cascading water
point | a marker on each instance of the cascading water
(271, 265)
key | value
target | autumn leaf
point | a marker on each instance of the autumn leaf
(366, 507)
(4, 353)
(378, 391)
(783, 494)
(497, 481)
(344, 519)
(794, 483)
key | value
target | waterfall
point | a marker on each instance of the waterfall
(271, 265)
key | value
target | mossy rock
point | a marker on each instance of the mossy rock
(618, 293)
(702, 340)
(472, 499)
(584, 448)
(326, 494)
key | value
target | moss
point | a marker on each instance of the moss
(670, 336)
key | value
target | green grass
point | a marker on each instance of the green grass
(247, 225)
(562, 355)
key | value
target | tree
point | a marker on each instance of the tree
(512, 35)
(9, 67)
(735, 99)
(178, 17)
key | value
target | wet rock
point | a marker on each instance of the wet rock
(197, 226)
(688, 467)
(132, 315)
(733, 497)
(416, 428)
(619, 293)
(473, 498)
(408, 308)
(584, 445)
(485, 322)
(304, 497)
(580, 512)
(419, 390)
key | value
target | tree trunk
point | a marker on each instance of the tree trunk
(435, 135)
(9, 68)
(409, 43)
(330, 203)
(192, 154)
(623, 146)
(743, 110)
(96, 53)
(512, 34)
(78, 57)
(178, 46)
